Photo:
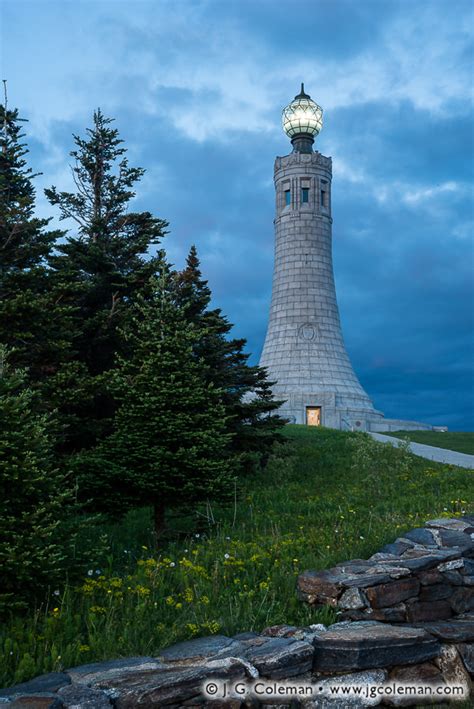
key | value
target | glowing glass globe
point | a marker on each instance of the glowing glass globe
(303, 115)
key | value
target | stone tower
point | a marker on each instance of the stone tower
(304, 350)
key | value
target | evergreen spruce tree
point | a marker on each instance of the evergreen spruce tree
(33, 494)
(32, 323)
(250, 407)
(99, 271)
(168, 449)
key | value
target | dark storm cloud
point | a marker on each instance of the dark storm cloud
(197, 89)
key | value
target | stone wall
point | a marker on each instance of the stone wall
(423, 583)
(389, 425)
(427, 575)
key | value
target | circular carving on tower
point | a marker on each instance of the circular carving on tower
(307, 332)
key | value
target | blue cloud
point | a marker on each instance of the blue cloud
(197, 89)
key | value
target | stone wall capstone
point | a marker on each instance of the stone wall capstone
(425, 576)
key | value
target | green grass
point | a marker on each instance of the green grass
(461, 441)
(326, 496)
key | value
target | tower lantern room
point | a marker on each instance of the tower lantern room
(302, 121)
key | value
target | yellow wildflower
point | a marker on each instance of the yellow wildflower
(142, 591)
(212, 626)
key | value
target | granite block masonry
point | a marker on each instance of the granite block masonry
(304, 351)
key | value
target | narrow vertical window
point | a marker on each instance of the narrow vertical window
(305, 194)
(324, 194)
(287, 198)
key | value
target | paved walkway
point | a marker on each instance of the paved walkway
(440, 455)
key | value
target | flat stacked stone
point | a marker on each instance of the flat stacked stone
(365, 645)
(427, 575)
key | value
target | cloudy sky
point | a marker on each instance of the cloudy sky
(197, 88)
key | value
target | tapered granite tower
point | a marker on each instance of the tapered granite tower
(304, 350)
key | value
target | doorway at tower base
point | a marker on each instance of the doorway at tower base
(346, 410)
(323, 410)
(355, 421)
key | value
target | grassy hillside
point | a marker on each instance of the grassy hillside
(326, 496)
(452, 440)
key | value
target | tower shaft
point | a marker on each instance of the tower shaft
(304, 350)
